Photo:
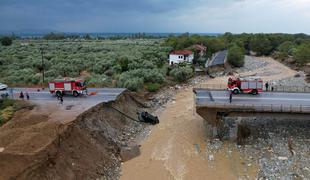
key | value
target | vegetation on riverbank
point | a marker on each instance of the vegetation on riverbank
(8, 107)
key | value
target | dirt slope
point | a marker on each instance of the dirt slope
(37, 147)
(177, 149)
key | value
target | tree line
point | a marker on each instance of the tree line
(278, 45)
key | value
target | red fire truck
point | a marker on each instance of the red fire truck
(68, 86)
(253, 85)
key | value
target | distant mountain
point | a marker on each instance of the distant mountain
(29, 32)
(25, 33)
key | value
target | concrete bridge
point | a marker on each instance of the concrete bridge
(214, 105)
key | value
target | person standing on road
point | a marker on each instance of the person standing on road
(61, 100)
(267, 86)
(27, 96)
(21, 95)
(230, 96)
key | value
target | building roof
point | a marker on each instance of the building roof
(219, 58)
(199, 47)
(182, 52)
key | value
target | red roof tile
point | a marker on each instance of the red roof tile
(199, 47)
(182, 52)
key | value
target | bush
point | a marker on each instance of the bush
(134, 84)
(152, 87)
(6, 114)
(261, 45)
(4, 103)
(6, 41)
(98, 80)
(6, 110)
(181, 74)
(130, 82)
(235, 56)
(302, 54)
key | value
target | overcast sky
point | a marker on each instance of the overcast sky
(195, 16)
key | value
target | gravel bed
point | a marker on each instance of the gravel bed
(281, 148)
(251, 63)
(298, 80)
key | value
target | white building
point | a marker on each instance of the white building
(176, 57)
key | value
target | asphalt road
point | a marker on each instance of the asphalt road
(204, 97)
(102, 94)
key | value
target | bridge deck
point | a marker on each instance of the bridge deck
(265, 101)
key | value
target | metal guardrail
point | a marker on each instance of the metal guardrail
(258, 108)
(276, 88)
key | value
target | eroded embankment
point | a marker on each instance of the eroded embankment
(87, 148)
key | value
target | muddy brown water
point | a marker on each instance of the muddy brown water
(177, 148)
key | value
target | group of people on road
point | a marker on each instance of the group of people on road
(267, 85)
(21, 95)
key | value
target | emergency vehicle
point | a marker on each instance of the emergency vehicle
(68, 86)
(253, 85)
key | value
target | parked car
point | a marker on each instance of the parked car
(4, 94)
(3, 86)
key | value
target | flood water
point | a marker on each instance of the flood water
(179, 148)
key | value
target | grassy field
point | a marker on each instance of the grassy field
(103, 63)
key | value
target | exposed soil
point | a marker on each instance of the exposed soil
(87, 146)
(292, 64)
(178, 149)
(265, 67)
(58, 142)
(181, 148)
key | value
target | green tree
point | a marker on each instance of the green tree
(261, 45)
(235, 56)
(302, 54)
(87, 37)
(285, 49)
(6, 41)
(54, 36)
(123, 62)
(215, 44)
(181, 73)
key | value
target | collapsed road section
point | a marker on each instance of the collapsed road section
(215, 106)
(34, 146)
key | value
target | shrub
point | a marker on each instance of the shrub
(261, 45)
(4, 103)
(235, 56)
(6, 110)
(302, 54)
(6, 114)
(130, 82)
(181, 74)
(147, 75)
(152, 87)
(6, 41)
(98, 80)
(134, 84)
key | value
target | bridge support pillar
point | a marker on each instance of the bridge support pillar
(212, 117)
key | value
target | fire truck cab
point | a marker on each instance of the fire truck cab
(253, 85)
(68, 86)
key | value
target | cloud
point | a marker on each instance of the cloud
(157, 15)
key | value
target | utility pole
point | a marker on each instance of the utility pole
(42, 64)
